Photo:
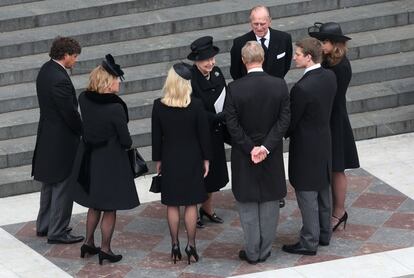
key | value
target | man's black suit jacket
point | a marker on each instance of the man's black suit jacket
(59, 127)
(310, 154)
(277, 59)
(257, 113)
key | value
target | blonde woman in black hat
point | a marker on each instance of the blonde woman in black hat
(106, 179)
(181, 149)
(344, 152)
(208, 84)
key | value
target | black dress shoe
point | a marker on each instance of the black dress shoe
(65, 239)
(323, 243)
(298, 249)
(282, 203)
(243, 257)
(262, 260)
(88, 249)
(111, 257)
(43, 234)
(212, 217)
(200, 223)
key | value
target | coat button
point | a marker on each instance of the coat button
(213, 90)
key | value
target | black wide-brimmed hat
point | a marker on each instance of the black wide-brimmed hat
(327, 31)
(202, 49)
(111, 67)
(183, 70)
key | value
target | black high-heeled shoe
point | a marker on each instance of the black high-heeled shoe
(88, 249)
(176, 252)
(110, 257)
(212, 217)
(343, 219)
(191, 252)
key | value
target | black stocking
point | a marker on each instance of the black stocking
(92, 221)
(173, 216)
(190, 218)
(107, 229)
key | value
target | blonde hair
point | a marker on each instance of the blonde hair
(338, 52)
(176, 90)
(100, 80)
(252, 52)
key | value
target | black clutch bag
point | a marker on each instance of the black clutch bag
(156, 184)
(138, 165)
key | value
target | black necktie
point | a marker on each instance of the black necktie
(262, 40)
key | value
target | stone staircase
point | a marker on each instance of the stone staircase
(147, 37)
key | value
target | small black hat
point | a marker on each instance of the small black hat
(327, 31)
(183, 70)
(202, 49)
(112, 68)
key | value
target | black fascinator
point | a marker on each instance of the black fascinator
(183, 70)
(111, 67)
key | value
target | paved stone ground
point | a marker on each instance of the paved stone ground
(380, 219)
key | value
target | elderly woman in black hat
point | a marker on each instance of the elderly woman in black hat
(209, 85)
(181, 149)
(344, 152)
(107, 182)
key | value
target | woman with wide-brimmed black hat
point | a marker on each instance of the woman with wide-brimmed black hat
(344, 152)
(208, 84)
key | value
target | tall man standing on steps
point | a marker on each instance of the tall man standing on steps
(257, 117)
(58, 136)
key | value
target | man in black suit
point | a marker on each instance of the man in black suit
(310, 157)
(276, 44)
(257, 117)
(57, 141)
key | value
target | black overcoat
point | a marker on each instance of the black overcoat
(181, 141)
(278, 57)
(60, 125)
(111, 183)
(344, 151)
(208, 91)
(310, 156)
(257, 113)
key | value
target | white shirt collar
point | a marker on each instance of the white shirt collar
(59, 63)
(267, 37)
(315, 66)
(255, 70)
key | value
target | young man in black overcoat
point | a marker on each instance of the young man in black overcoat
(310, 157)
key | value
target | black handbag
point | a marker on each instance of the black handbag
(156, 184)
(138, 165)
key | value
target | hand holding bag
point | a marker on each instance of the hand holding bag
(156, 184)
(138, 165)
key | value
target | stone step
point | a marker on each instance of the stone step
(377, 96)
(361, 98)
(214, 14)
(52, 12)
(17, 180)
(4, 3)
(151, 77)
(153, 50)
(382, 123)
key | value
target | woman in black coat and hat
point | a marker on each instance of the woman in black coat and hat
(208, 84)
(344, 152)
(105, 176)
